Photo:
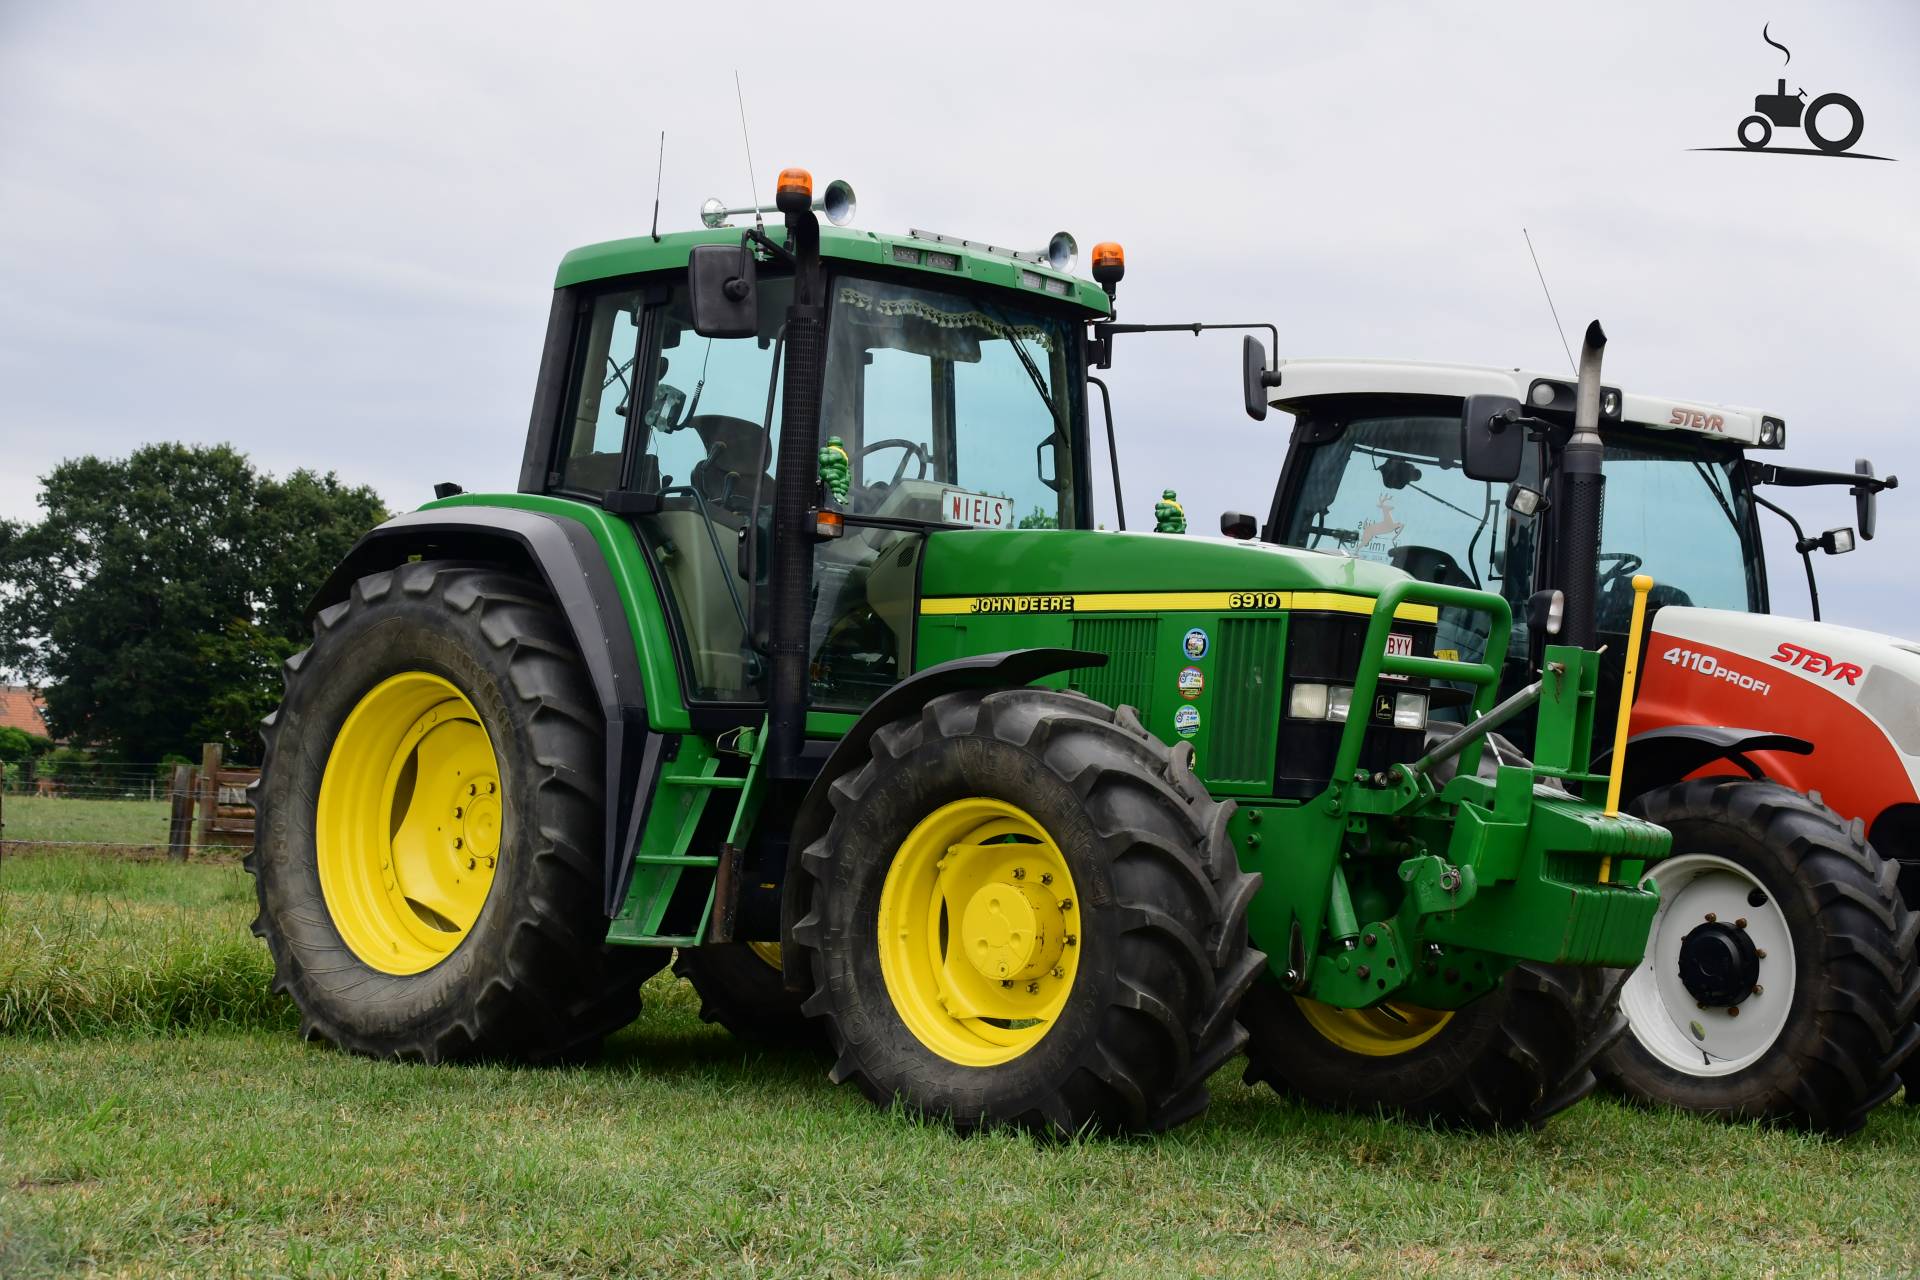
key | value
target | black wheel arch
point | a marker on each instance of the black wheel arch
(1000, 670)
(1660, 757)
(562, 554)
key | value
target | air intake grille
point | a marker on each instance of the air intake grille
(1246, 700)
(1127, 679)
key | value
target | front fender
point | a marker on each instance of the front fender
(1659, 757)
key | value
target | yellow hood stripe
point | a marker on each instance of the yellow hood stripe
(1171, 602)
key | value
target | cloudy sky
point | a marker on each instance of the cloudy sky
(325, 233)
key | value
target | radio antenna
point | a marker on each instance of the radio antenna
(1558, 327)
(658, 172)
(748, 142)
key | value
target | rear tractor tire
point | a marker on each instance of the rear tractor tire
(1511, 1059)
(741, 988)
(1026, 911)
(428, 859)
(1781, 981)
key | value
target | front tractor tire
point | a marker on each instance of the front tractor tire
(1027, 912)
(742, 989)
(1781, 981)
(429, 827)
(1509, 1060)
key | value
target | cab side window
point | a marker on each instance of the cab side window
(594, 438)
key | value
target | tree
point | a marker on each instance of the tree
(1040, 518)
(158, 596)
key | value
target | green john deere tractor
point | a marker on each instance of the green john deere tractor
(1015, 811)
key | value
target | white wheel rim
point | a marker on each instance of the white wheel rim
(1664, 1016)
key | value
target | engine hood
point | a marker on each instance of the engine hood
(972, 562)
(1877, 674)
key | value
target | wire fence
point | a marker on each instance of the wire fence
(86, 780)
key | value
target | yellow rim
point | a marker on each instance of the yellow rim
(769, 952)
(407, 830)
(1379, 1032)
(979, 928)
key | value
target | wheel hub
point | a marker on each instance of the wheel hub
(1719, 965)
(476, 812)
(1010, 931)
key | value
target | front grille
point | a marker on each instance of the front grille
(1246, 702)
(1324, 648)
(1127, 679)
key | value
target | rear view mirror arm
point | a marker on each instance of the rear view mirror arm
(1113, 452)
(1807, 478)
(1802, 546)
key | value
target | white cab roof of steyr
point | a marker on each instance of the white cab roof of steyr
(1302, 380)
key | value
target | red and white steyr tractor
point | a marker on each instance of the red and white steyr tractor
(1781, 980)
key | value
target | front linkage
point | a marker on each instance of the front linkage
(1523, 866)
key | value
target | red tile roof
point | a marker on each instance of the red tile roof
(20, 708)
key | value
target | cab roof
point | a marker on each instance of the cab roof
(1304, 380)
(946, 257)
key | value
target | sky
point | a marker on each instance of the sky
(326, 233)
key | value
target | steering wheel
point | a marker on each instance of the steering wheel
(911, 449)
(1623, 571)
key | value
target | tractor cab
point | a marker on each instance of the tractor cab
(951, 396)
(1377, 470)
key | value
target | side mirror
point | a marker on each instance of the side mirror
(1492, 441)
(1866, 502)
(721, 289)
(1238, 524)
(1255, 377)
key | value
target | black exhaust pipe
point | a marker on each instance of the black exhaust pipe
(795, 490)
(1582, 500)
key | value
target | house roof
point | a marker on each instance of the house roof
(21, 708)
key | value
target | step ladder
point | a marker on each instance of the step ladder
(689, 787)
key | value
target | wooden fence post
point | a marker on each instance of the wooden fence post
(209, 792)
(180, 821)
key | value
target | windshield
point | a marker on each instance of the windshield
(951, 408)
(1390, 488)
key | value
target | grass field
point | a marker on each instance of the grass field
(69, 820)
(158, 1116)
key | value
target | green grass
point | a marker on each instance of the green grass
(67, 819)
(144, 1135)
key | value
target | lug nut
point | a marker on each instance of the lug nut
(1741, 923)
(1733, 1011)
(1711, 917)
(1370, 939)
(458, 811)
(1033, 988)
(1066, 904)
(1046, 877)
(470, 864)
(457, 842)
(1019, 873)
(1758, 989)
(1007, 983)
(1760, 953)
(1058, 972)
(1072, 940)
(1363, 972)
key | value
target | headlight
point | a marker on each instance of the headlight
(1410, 711)
(1308, 702)
(1339, 702)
